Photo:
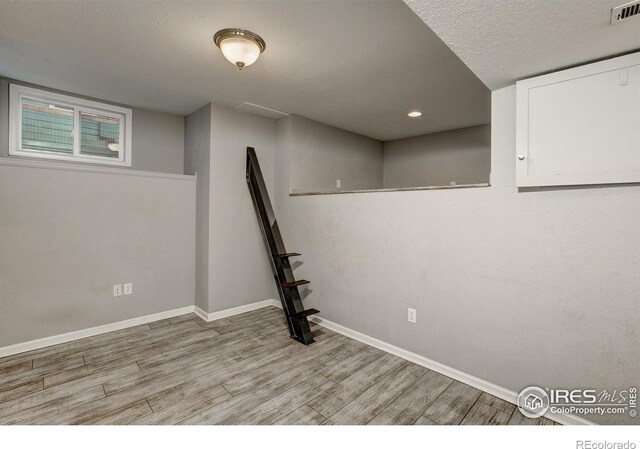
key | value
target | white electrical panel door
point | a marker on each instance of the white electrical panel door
(580, 126)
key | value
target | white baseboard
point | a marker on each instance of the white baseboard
(235, 310)
(76, 335)
(476, 382)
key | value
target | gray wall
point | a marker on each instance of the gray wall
(66, 237)
(231, 260)
(326, 154)
(157, 141)
(157, 137)
(197, 148)
(239, 266)
(517, 288)
(462, 156)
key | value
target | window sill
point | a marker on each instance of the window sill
(66, 166)
(403, 189)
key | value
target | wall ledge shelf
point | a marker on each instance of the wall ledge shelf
(401, 189)
(66, 166)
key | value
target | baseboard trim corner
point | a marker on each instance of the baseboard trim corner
(90, 332)
(201, 313)
(234, 310)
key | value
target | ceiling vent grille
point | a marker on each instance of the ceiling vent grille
(623, 12)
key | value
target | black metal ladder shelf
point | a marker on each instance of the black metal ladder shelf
(287, 285)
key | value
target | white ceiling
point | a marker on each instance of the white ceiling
(360, 66)
(503, 41)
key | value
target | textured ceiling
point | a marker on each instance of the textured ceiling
(506, 40)
(360, 66)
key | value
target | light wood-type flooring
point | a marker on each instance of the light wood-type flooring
(239, 370)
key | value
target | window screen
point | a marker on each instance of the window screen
(99, 135)
(46, 127)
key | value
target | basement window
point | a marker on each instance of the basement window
(53, 126)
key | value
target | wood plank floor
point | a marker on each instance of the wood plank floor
(239, 370)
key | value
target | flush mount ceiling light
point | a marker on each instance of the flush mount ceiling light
(240, 47)
(414, 114)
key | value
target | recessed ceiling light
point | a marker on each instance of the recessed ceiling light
(240, 47)
(414, 114)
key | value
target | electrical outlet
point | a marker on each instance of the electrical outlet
(128, 289)
(117, 290)
(412, 316)
(338, 182)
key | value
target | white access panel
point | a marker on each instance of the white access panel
(580, 126)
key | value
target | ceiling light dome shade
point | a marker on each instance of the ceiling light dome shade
(240, 47)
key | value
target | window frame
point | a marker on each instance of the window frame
(79, 105)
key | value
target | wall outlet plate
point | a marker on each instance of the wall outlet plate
(411, 316)
(338, 183)
(117, 290)
(128, 289)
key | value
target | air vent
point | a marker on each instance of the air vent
(623, 12)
